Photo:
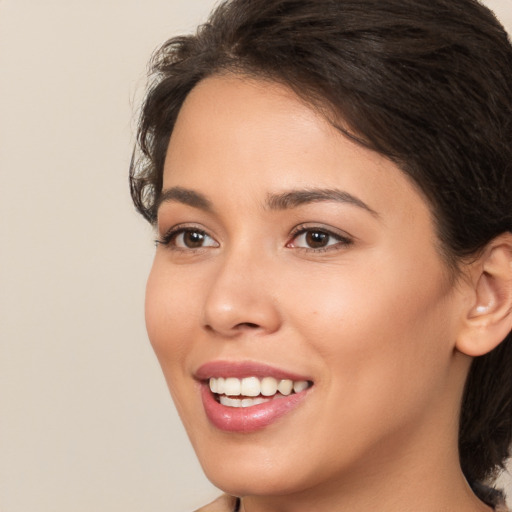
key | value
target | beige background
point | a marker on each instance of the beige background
(86, 422)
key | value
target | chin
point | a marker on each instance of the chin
(253, 481)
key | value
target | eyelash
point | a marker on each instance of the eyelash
(172, 234)
(342, 240)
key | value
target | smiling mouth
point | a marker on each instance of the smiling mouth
(251, 391)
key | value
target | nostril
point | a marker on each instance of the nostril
(247, 325)
(236, 329)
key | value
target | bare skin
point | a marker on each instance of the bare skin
(349, 289)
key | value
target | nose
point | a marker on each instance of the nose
(241, 296)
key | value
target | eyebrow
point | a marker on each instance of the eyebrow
(283, 201)
(184, 196)
(295, 198)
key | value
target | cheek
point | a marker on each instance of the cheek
(382, 353)
(378, 330)
(169, 321)
(168, 314)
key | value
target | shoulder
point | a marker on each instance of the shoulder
(224, 503)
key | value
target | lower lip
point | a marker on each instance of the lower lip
(247, 419)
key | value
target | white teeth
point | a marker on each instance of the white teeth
(220, 385)
(230, 402)
(232, 386)
(268, 386)
(250, 386)
(300, 385)
(244, 402)
(249, 402)
(253, 387)
(285, 387)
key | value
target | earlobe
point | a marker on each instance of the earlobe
(489, 317)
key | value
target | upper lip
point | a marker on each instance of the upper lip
(241, 369)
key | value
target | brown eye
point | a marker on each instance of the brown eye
(316, 239)
(192, 239)
(188, 238)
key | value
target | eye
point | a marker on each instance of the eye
(317, 239)
(187, 239)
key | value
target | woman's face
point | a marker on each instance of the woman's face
(288, 253)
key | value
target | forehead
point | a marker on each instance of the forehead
(258, 136)
(249, 118)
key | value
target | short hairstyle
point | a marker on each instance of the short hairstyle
(426, 83)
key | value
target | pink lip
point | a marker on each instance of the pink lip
(246, 419)
(243, 369)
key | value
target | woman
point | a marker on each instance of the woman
(331, 295)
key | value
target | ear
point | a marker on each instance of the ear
(488, 318)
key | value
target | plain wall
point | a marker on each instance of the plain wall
(86, 422)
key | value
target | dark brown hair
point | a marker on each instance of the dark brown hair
(427, 83)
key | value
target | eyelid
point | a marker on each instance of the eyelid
(173, 232)
(344, 239)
